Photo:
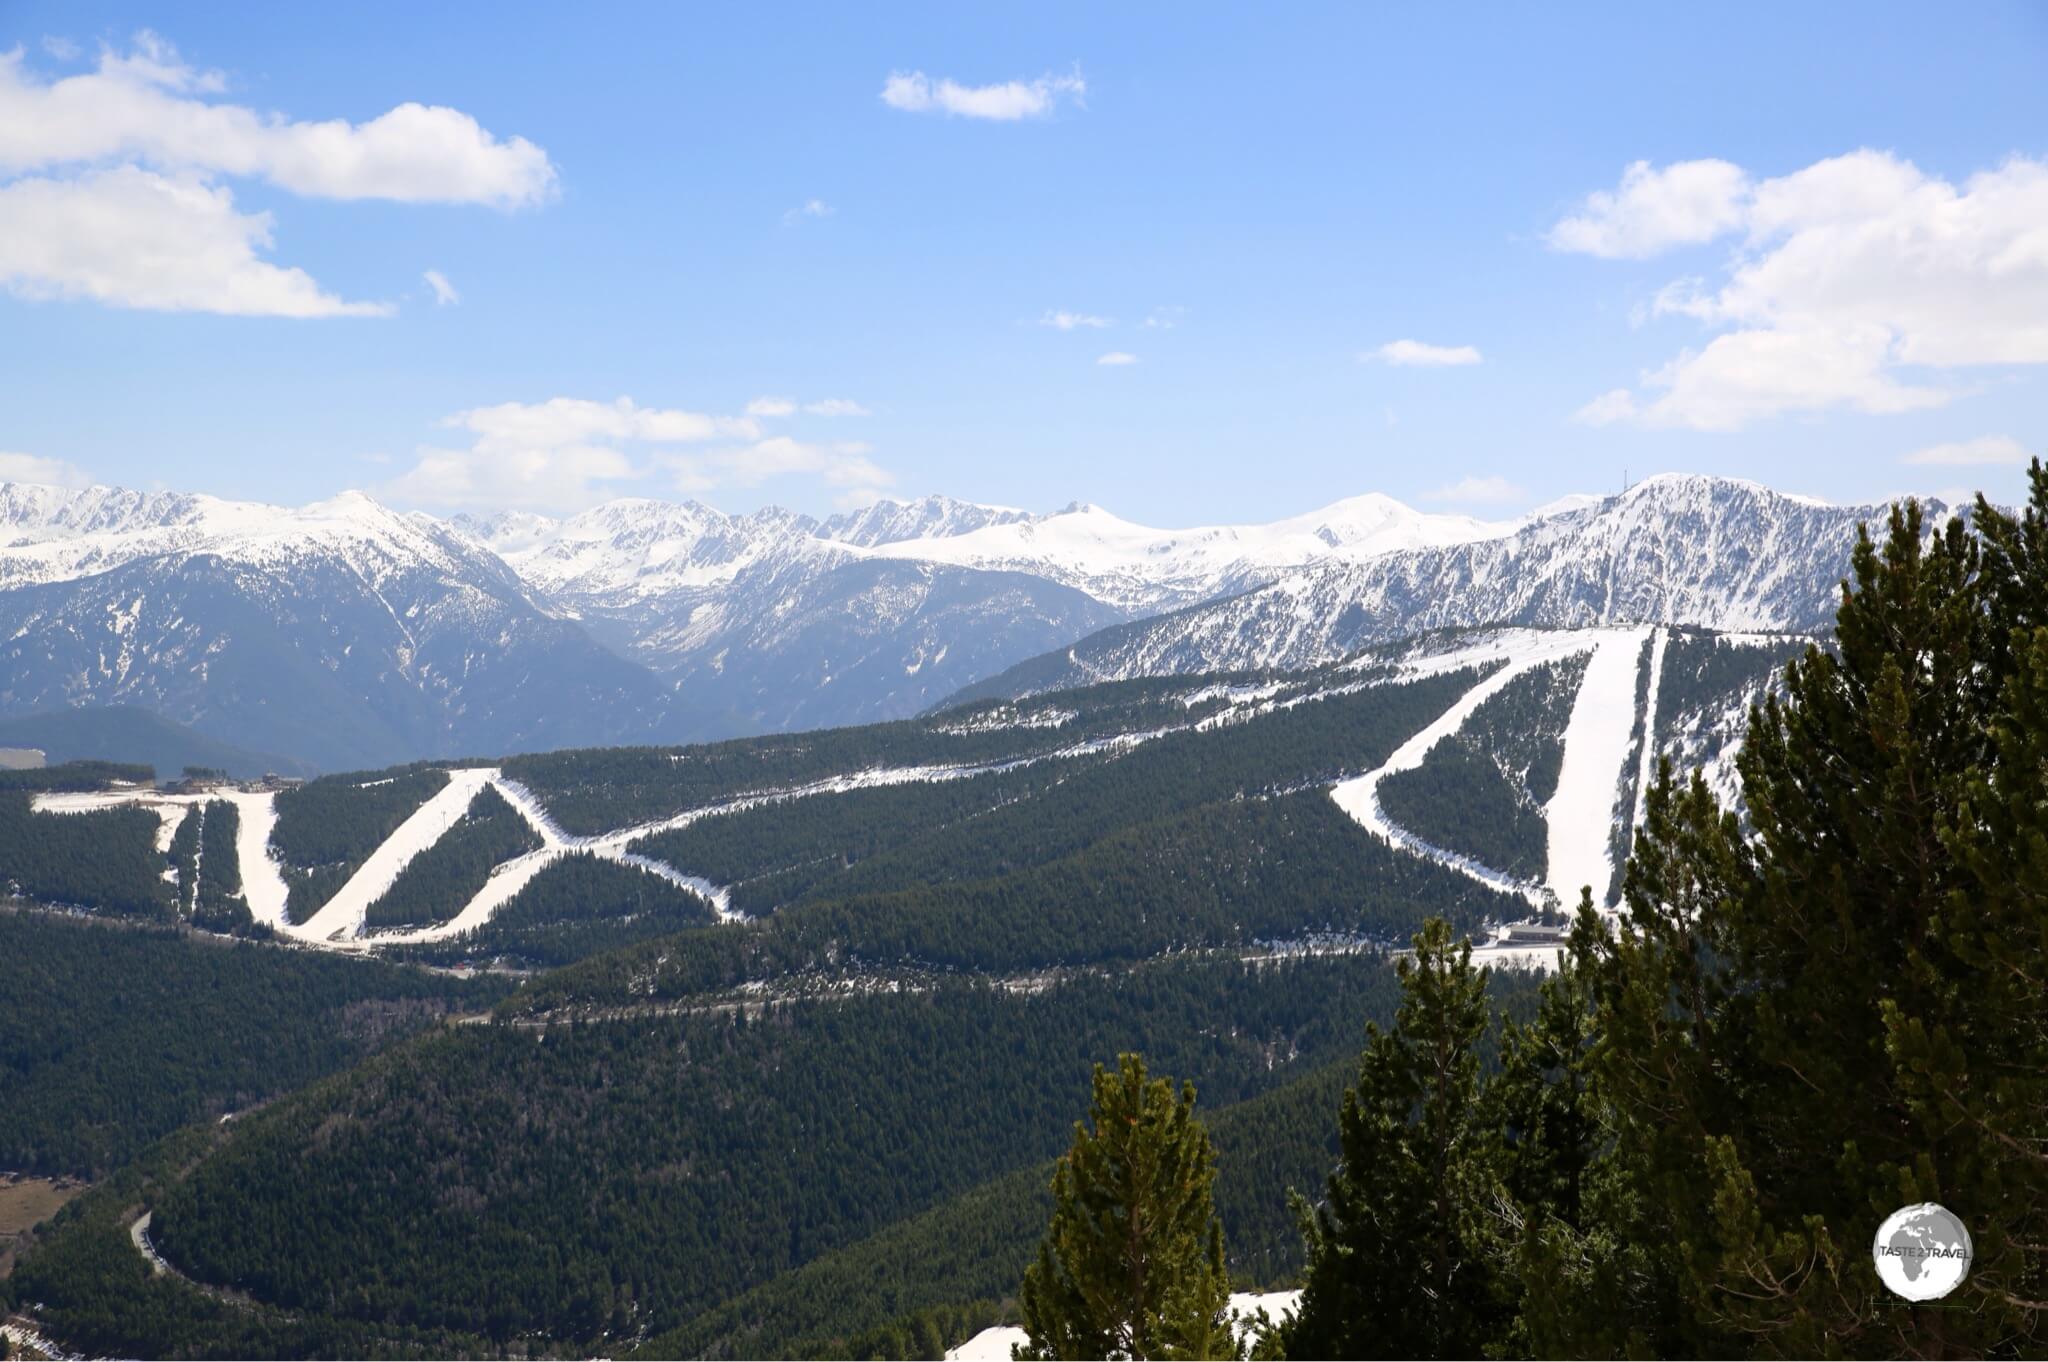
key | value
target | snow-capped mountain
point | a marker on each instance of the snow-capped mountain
(773, 620)
(342, 633)
(636, 549)
(1142, 570)
(1711, 553)
(933, 517)
(347, 633)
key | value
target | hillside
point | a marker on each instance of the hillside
(782, 974)
(604, 1183)
(1480, 775)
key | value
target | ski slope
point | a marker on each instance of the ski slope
(1579, 815)
(1597, 762)
(1359, 796)
(1596, 741)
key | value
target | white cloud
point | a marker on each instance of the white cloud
(1617, 404)
(567, 453)
(1684, 204)
(1853, 277)
(444, 292)
(571, 420)
(843, 464)
(915, 92)
(1068, 321)
(60, 47)
(542, 478)
(1984, 450)
(147, 106)
(110, 183)
(1415, 352)
(31, 468)
(1117, 357)
(133, 238)
(809, 208)
(789, 406)
(1477, 491)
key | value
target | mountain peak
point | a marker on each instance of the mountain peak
(936, 516)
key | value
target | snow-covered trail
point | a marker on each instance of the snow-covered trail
(1359, 796)
(1648, 771)
(342, 915)
(508, 878)
(263, 886)
(1596, 740)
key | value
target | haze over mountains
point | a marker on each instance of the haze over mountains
(348, 634)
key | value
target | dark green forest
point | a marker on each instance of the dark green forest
(618, 1176)
(112, 1035)
(578, 905)
(1226, 874)
(219, 905)
(106, 859)
(870, 1298)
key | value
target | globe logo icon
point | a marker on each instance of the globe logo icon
(1922, 1251)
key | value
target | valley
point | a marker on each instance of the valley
(804, 940)
(673, 1039)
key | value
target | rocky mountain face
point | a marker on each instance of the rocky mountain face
(1703, 552)
(348, 634)
(773, 620)
(344, 634)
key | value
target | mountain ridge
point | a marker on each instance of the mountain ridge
(349, 634)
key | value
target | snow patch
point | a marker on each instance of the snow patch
(993, 1345)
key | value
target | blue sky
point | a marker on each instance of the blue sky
(1831, 258)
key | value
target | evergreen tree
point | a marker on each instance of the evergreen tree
(1834, 1009)
(1402, 1251)
(1132, 1265)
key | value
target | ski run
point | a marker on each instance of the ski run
(1600, 759)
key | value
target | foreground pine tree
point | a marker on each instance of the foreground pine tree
(1400, 1263)
(1818, 1007)
(1834, 1007)
(1132, 1264)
